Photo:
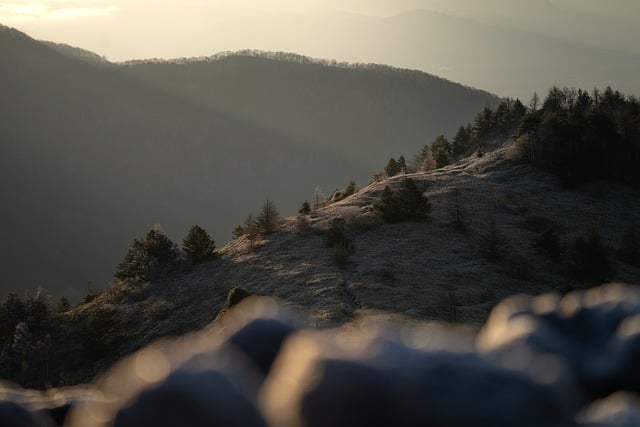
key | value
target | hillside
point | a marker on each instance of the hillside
(366, 111)
(405, 271)
(92, 154)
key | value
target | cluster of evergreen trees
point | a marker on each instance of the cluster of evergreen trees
(583, 136)
(406, 204)
(25, 337)
(488, 124)
(578, 135)
(157, 249)
(266, 222)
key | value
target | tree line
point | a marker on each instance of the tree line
(578, 135)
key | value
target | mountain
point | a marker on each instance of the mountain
(94, 153)
(369, 112)
(409, 271)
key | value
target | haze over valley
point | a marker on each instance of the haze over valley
(95, 153)
(319, 213)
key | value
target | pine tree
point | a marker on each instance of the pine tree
(441, 150)
(198, 245)
(238, 231)
(462, 141)
(387, 205)
(268, 219)
(406, 204)
(415, 206)
(349, 189)
(159, 246)
(135, 265)
(305, 208)
(402, 164)
(392, 168)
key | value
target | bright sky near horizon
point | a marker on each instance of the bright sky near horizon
(101, 25)
(345, 30)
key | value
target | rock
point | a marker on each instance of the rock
(15, 415)
(318, 380)
(594, 333)
(195, 399)
(207, 378)
(618, 410)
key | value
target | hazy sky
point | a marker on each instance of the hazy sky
(346, 30)
(125, 29)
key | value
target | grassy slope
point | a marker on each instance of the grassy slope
(407, 270)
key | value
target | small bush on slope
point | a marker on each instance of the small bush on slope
(588, 259)
(407, 204)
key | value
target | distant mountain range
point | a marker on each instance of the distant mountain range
(94, 154)
(508, 47)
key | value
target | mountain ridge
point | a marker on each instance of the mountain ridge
(85, 146)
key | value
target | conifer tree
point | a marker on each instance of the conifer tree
(406, 204)
(402, 165)
(135, 265)
(305, 208)
(268, 218)
(441, 150)
(160, 246)
(392, 168)
(198, 245)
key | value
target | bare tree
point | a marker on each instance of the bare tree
(319, 199)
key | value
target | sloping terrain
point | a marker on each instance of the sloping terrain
(420, 271)
(91, 157)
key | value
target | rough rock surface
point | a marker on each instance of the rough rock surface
(538, 361)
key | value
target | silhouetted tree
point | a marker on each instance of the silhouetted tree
(238, 231)
(268, 219)
(159, 246)
(135, 265)
(535, 101)
(198, 245)
(441, 150)
(63, 305)
(305, 208)
(462, 141)
(407, 204)
(392, 168)
(402, 165)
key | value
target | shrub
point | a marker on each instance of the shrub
(305, 208)
(588, 259)
(548, 243)
(406, 204)
(495, 244)
(340, 242)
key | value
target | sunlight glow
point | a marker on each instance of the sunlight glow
(25, 11)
